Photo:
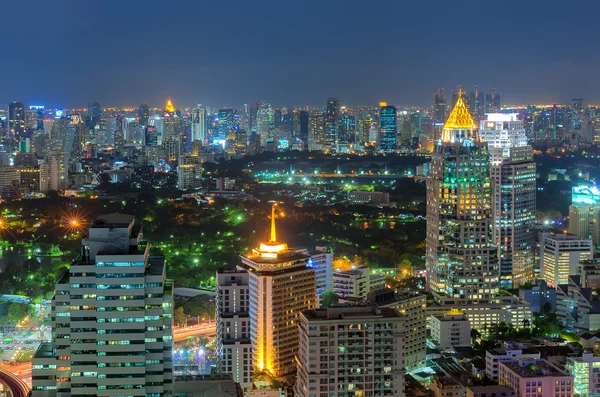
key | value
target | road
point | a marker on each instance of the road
(180, 334)
(16, 385)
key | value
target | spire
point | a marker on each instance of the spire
(460, 118)
(169, 106)
(273, 231)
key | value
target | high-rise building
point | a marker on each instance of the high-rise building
(584, 213)
(282, 285)
(225, 122)
(476, 104)
(492, 102)
(93, 115)
(388, 127)
(586, 380)
(331, 122)
(199, 125)
(440, 107)
(173, 128)
(351, 351)
(513, 172)
(58, 172)
(143, 114)
(303, 128)
(111, 319)
(234, 349)
(189, 172)
(16, 120)
(462, 261)
(560, 256)
(346, 128)
(316, 131)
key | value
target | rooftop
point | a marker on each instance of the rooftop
(113, 220)
(343, 312)
(533, 368)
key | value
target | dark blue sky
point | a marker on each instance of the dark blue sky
(219, 52)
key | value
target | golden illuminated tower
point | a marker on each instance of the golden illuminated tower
(282, 285)
(169, 106)
(462, 261)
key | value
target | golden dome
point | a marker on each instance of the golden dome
(460, 117)
(169, 106)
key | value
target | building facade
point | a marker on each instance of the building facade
(513, 174)
(450, 330)
(560, 256)
(535, 377)
(356, 283)
(111, 319)
(584, 213)
(350, 351)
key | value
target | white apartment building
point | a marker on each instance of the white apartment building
(234, 349)
(350, 351)
(111, 320)
(560, 255)
(586, 374)
(535, 378)
(189, 172)
(356, 283)
(450, 330)
(282, 285)
(511, 351)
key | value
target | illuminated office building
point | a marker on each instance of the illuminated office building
(282, 285)
(346, 128)
(331, 122)
(173, 126)
(111, 319)
(584, 213)
(189, 172)
(199, 125)
(143, 114)
(225, 122)
(513, 173)
(462, 261)
(16, 120)
(560, 257)
(388, 126)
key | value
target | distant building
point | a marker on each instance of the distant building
(537, 376)
(388, 127)
(16, 120)
(364, 197)
(589, 271)
(560, 255)
(538, 295)
(368, 352)
(450, 330)
(510, 351)
(189, 172)
(586, 374)
(224, 183)
(321, 259)
(356, 283)
(331, 122)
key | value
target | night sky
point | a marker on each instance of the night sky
(219, 52)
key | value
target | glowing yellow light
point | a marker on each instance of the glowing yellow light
(169, 106)
(382, 104)
(460, 117)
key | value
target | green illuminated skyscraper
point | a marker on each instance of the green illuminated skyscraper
(462, 261)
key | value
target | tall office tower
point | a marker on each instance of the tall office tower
(234, 349)
(16, 120)
(189, 172)
(513, 172)
(93, 115)
(316, 131)
(577, 116)
(492, 102)
(39, 109)
(476, 104)
(199, 125)
(282, 285)
(171, 141)
(331, 122)
(440, 107)
(303, 128)
(584, 213)
(560, 255)
(462, 261)
(56, 172)
(143, 115)
(388, 127)
(111, 319)
(346, 128)
(225, 122)
(367, 357)
(265, 124)
(31, 121)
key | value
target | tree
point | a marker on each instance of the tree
(179, 317)
(546, 309)
(328, 299)
(17, 311)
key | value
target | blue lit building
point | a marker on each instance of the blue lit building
(388, 126)
(226, 121)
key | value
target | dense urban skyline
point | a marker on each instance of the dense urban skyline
(120, 54)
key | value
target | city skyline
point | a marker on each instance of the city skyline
(242, 53)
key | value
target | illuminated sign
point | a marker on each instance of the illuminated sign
(36, 107)
(59, 113)
(586, 195)
(382, 104)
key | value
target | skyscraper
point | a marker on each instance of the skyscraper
(16, 120)
(388, 126)
(440, 112)
(476, 104)
(189, 172)
(346, 128)
(303, 128)
(461, 258)
(492, 102)
(331, 122)
(513, 174)
(111, 319)
(584, 213)
(316, 131)
(282, 285)
(143, 114)
(199, 124)
(462, 261)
